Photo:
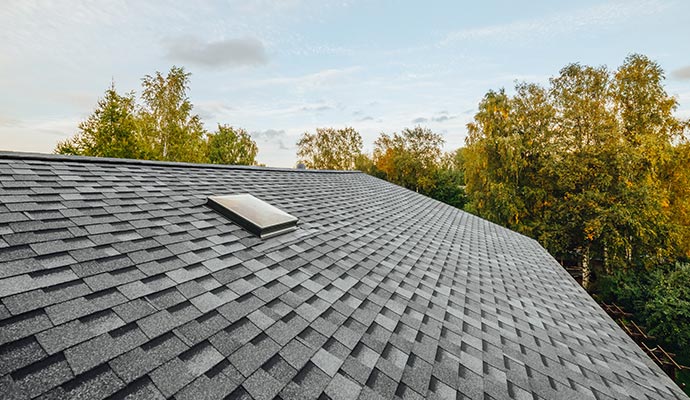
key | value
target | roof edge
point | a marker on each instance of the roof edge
(17, 155)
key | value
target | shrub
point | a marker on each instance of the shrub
(667, 313)
(630, 289)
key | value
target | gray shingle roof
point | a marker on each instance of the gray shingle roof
(116, 280)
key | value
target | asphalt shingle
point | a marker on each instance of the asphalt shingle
(43, 375)
(20, 354)
(63, 336)
(116, 281)
(23, 325)
(102, 348)
(98, 383)
(143, 359)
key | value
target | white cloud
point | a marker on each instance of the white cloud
(268, 134)
(607, 14)
(277, 148)
(315, 79)
(213, 111)
(38, 135)
(260, 7)
(316, 108)
(681, 73)
(236, 52)
(7, 122)
(443, 118)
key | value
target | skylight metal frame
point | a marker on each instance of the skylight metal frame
(254, 214)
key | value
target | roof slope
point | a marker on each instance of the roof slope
(116, 280)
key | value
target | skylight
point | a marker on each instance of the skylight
(254, 215)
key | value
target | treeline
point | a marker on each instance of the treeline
(412, 158)
(160, 126)
(595, 166)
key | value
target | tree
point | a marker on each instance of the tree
(409, 159)
(111, 131)
(586, 172)
(655, 168)
(490, 168)
(162, 127)
(668, 310)
(172, 132)
(69, 146)
(365, 163)
(449, 180)
(509, 147)
(659, 299)
(677, 182)
(645, 109)
(587, 166)
(232, 146)
(330, 148)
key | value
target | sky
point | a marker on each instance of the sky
(282, 68)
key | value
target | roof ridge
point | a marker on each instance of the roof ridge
(17, 155)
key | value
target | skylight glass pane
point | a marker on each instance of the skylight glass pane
(254, 214)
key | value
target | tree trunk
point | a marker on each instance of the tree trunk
(607, 264)
(586, 269)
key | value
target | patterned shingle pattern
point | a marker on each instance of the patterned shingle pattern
(117, 281)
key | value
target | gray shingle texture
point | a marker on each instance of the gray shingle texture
(116, 281)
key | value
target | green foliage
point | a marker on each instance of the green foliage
(645, 108)
(449, 180)
(439, 176)
(365, 163)
(414, 159)
(173, 133)
(409, 159)
(630, 289)
(659, 300)
(330, 148)
(69, 147)
(667, 313)
(586, 166)
(233, 146)
(111, 131)
(508, 157)
(163, 127)
(677, 176)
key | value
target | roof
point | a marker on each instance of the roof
(117, 280)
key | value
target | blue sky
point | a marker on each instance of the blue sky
(280, 68)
